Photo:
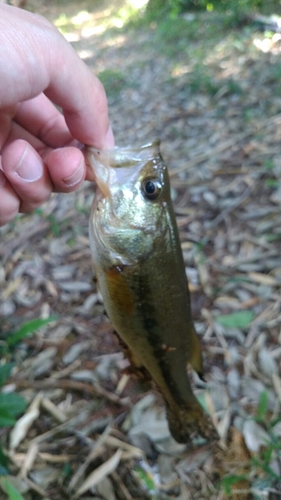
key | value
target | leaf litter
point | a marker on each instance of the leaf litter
(92, 430)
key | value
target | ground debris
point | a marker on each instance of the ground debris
(91, 429)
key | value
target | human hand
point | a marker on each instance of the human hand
(39, 147)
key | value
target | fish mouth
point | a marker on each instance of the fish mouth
(119, 157)
(100, 168)
(118, 166)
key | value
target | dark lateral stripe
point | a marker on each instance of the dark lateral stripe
(148, 315)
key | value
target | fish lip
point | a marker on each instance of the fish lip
(100, 170)
(119, 157)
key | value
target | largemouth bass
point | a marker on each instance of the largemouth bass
(140, 270)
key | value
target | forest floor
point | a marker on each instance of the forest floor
(211, 91)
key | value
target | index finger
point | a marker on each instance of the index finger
(42, 119)
(82, 100)
(36, 58)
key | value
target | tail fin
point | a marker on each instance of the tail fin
(186, 423)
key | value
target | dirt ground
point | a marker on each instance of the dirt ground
(212, 93)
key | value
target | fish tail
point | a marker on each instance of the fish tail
(186, 423)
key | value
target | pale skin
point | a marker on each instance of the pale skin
(40, 148)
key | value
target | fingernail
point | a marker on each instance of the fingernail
(2, 179)
(30, 166)
(109, 140)
(76, 177)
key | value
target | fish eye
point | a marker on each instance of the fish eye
(151, 188)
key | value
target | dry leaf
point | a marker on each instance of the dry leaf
(100, 473)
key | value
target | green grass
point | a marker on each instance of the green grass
(11, 339)
(114, 81)
(11, 491)
(54, 224)
(188, 42)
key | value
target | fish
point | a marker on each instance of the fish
(139, 266)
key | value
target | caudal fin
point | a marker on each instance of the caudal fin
(186, 423)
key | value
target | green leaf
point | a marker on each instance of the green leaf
(238, 279)
(3, 462)
(54, 224)
(239, 319)
(27, 329)
(12, 492)
(201, 397)
(12, 404)
(67, 470)
(269, 164)
(6, 419)
(262, 407)
(274, 183)
(229, 481)
(5, 371)
(146, 478)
